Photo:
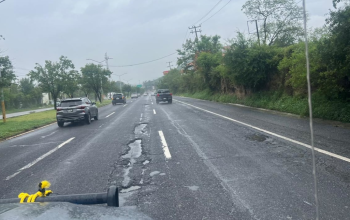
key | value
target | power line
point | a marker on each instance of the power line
(208, 12)
(185, 37)
(216, 12)
(136, 64)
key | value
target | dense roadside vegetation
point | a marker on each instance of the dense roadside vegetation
(271, 73)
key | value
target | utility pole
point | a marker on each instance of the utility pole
(2, 100)
(129, 85)
(257, 29)
(169, 65)
(120, 82)
(195, 31)
(105, 60)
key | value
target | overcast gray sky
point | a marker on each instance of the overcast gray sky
(130, 31)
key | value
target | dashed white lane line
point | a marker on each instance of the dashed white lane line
(39, 159)
(165, 145)
(141, 117)
(273, 134)
(110, 114)
(154, 111)
(125, 105)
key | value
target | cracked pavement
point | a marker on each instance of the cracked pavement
(218, 169)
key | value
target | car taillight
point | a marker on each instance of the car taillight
(171, 94)
(123, 97)
(80, 107)
(158, 95)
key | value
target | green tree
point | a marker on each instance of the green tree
(71, 83)
(250, 65)
(191, 50)
(280, 20)
(126, 89)
(7, 73)
(170, 81)
(92, 75)
(52, 77)
(207, 63)
(31, 95)
(333, 50)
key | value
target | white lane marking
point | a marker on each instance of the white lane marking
(154, 111)
(152, 103)
(125, 105)
(48, 134)
(141, 117)
(273, 134)
(110, 114)
(165, 145)
(39, 158)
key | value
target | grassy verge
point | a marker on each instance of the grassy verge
(17, 125)
(9, 111)
(104, 103)
(322, 108)
(20, 124)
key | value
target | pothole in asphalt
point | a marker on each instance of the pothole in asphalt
(193, 188)
(154, 173)
(257, 137)
(134, 152)
(131, 188)
(140, 129)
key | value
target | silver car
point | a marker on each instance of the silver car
(75, 110)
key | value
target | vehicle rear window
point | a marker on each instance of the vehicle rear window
(71, 103)
(117, 95)
(163, 91)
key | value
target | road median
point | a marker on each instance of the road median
(21, 124)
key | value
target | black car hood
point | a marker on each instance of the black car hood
(60, 211)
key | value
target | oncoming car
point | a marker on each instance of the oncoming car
(134, 96)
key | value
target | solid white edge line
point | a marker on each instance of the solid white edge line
(39, 158)
(154, 111)
(273, 134)
(165, 145)
(110, 114)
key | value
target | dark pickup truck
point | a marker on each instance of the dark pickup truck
(164, 95)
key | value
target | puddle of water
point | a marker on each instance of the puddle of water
(131, 188)
(134, 152)
(154, 173)
(126, 176)
(193, 188)
(145, 162)
(140, 129)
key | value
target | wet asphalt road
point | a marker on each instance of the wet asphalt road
(216, 168)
